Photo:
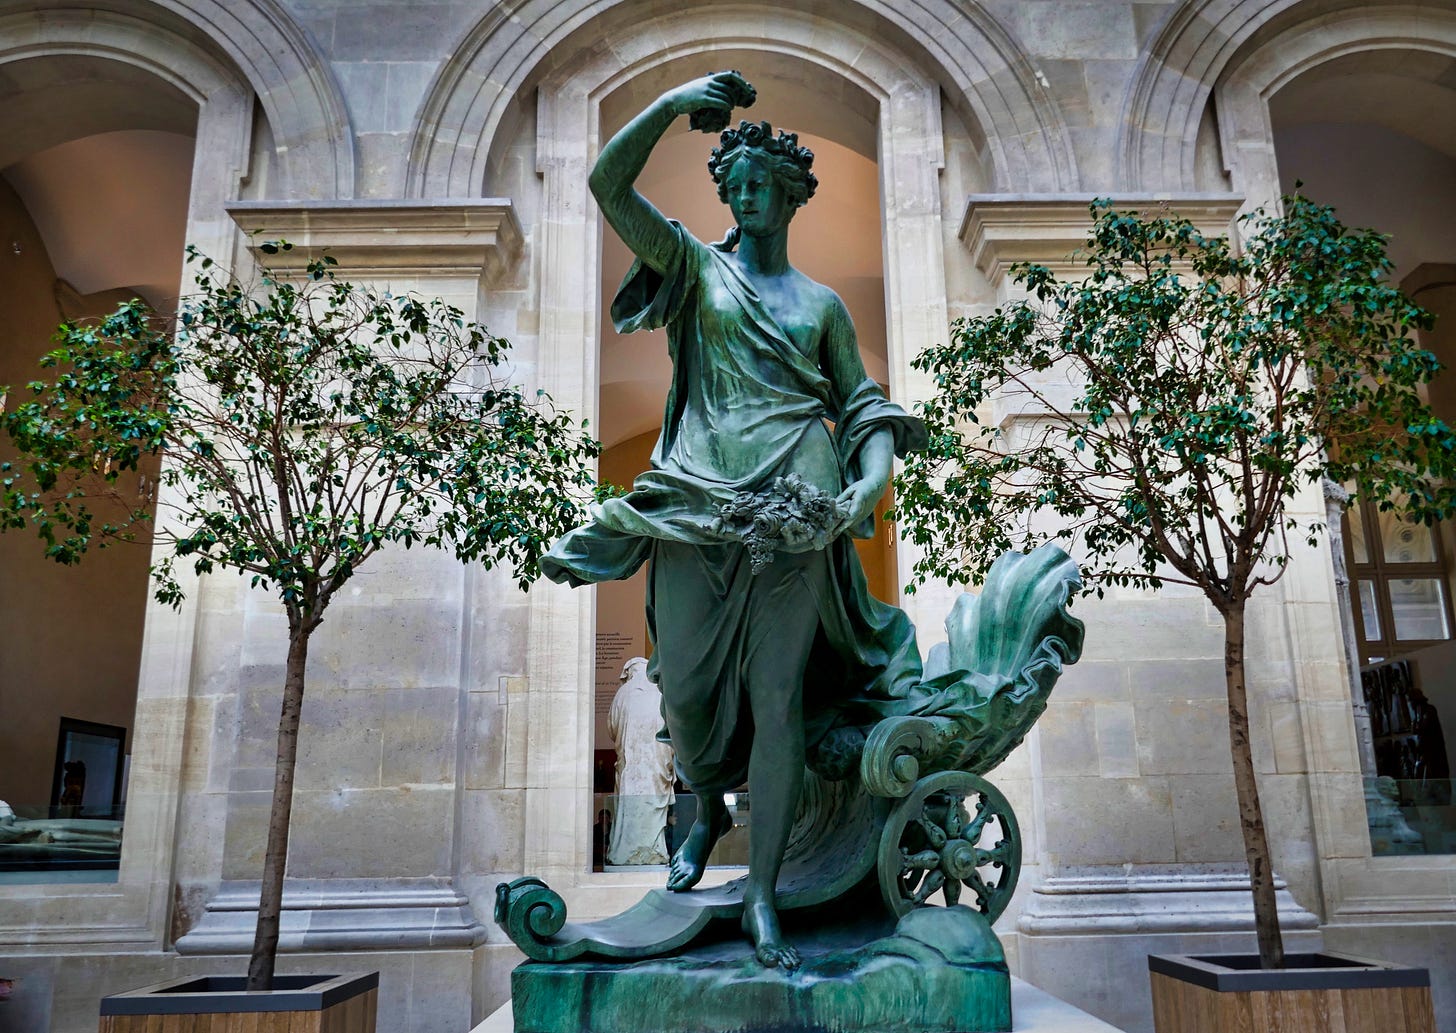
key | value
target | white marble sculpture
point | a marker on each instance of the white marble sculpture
(644, 771)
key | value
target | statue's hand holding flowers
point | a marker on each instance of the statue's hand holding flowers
(709, 101)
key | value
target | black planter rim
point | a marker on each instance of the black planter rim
(200, 995)
(1322, 970)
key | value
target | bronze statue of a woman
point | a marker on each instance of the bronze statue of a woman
(758, 663)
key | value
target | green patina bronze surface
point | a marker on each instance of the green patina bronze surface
(777, 666)
(940, 970)
(756, 666)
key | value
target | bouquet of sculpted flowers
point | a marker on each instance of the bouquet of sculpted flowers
(792, 515)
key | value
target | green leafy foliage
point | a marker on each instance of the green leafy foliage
(1168, 407)
(305, 425)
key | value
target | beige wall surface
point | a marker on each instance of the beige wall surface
(442, 146)
(70, 637)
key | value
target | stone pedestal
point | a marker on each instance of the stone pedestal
(1032, 1011)
(939, 970)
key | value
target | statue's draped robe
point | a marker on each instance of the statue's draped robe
(746, 406)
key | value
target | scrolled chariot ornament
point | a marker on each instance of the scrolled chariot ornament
(915, 817)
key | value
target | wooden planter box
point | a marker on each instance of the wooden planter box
(219, 1004)
(1314, 993)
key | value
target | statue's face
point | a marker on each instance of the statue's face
(758, 201)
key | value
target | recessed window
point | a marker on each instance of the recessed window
(1398, 570)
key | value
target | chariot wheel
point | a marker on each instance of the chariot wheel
(955, 832)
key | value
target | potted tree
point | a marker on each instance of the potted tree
(1209, 387)
(304, 426)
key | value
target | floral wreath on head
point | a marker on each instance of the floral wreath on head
(760, 137)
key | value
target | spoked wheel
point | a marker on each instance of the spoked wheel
(955, 832)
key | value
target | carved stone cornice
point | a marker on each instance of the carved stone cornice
(1002, 229)
(479, 237)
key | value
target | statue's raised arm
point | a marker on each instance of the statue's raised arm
(640, 225)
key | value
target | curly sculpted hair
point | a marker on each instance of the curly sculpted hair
(789, 163)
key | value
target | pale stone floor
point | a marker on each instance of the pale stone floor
(1032, 1011)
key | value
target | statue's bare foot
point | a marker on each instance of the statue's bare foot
(691, 859)
(761, 923)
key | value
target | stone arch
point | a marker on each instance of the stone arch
(982, 69)
(194, 44)
(142, 77)
(1243, 92)
(1198, 43)
(91, 44)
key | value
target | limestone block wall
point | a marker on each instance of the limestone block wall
(377, 763)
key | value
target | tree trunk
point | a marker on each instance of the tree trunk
(1251, 816)
(270, 903)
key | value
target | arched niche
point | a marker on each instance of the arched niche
(256, 41)
(1165, 124)
(97, 81)
(79, 134)
(1021, 135)
(1307, 88)
(891, 115)
(1290, 71)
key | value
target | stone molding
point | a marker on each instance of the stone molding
(1153, 902)
(1173, 81)
(1384, 889)
(457, 238)
(1001, 229)
(340, 914)
(1086, 933)
(295, 84)
(983, 69)
(191, 69)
